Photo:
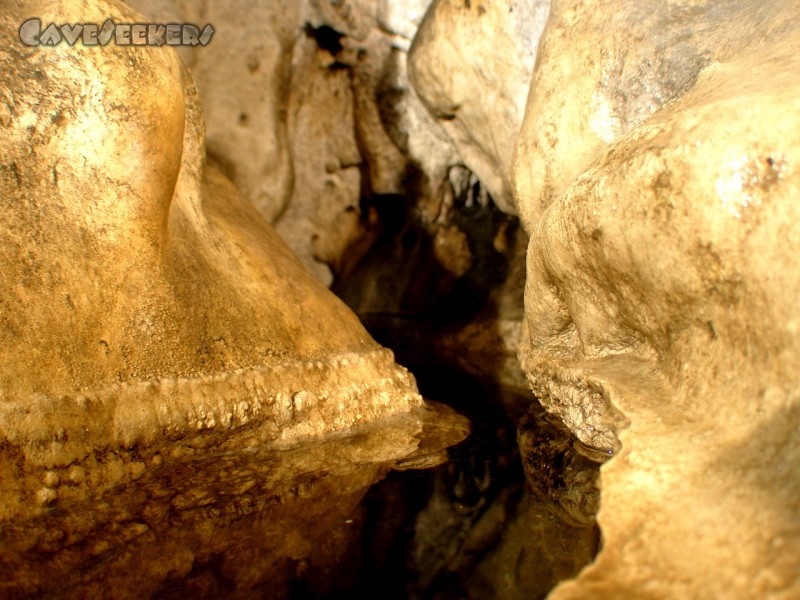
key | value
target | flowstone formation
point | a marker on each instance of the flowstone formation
(185, 412)
(159, 343)
(310, 112)
(656, 171)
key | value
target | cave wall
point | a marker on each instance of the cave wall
(591, 210)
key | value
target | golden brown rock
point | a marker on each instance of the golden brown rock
(662, 289)
(605, 68)
(662, 282)
(314, 115)
(244, 103)
(125, 264)
(150, 317)
(240, 520)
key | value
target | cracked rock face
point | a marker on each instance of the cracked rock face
(150, 316)
(659, 181)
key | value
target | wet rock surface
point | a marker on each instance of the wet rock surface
(512, 513)
(656, 202)
(159, 341)
(470, 528)
(185, 412)
(255, 521)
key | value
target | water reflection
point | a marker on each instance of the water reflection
(253, 522)
(476, 527)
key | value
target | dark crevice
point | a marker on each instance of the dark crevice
(327, 38)
(515, 497)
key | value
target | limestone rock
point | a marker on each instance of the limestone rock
(604, 69)
(322, 217)
(178, 243)
(471, 63)
(662, 290)
(402, 18)
(150, 315)
(245, 101)
(214, 522)
(308, 116)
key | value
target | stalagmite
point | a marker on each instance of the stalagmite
(158, 340)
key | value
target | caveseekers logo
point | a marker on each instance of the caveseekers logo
(121, 34)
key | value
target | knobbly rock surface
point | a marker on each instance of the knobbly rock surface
(162, 352)
(356, 130)
(657, 173)
(654, 172)
(605, 70)
(243, 520)
(152, 317)
(122, 250)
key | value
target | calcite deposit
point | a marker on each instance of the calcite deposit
(605, 70)
(657, 173)
(236, 519)
(471, 63)
(157, 338)
(309, 109)
(185, 410)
